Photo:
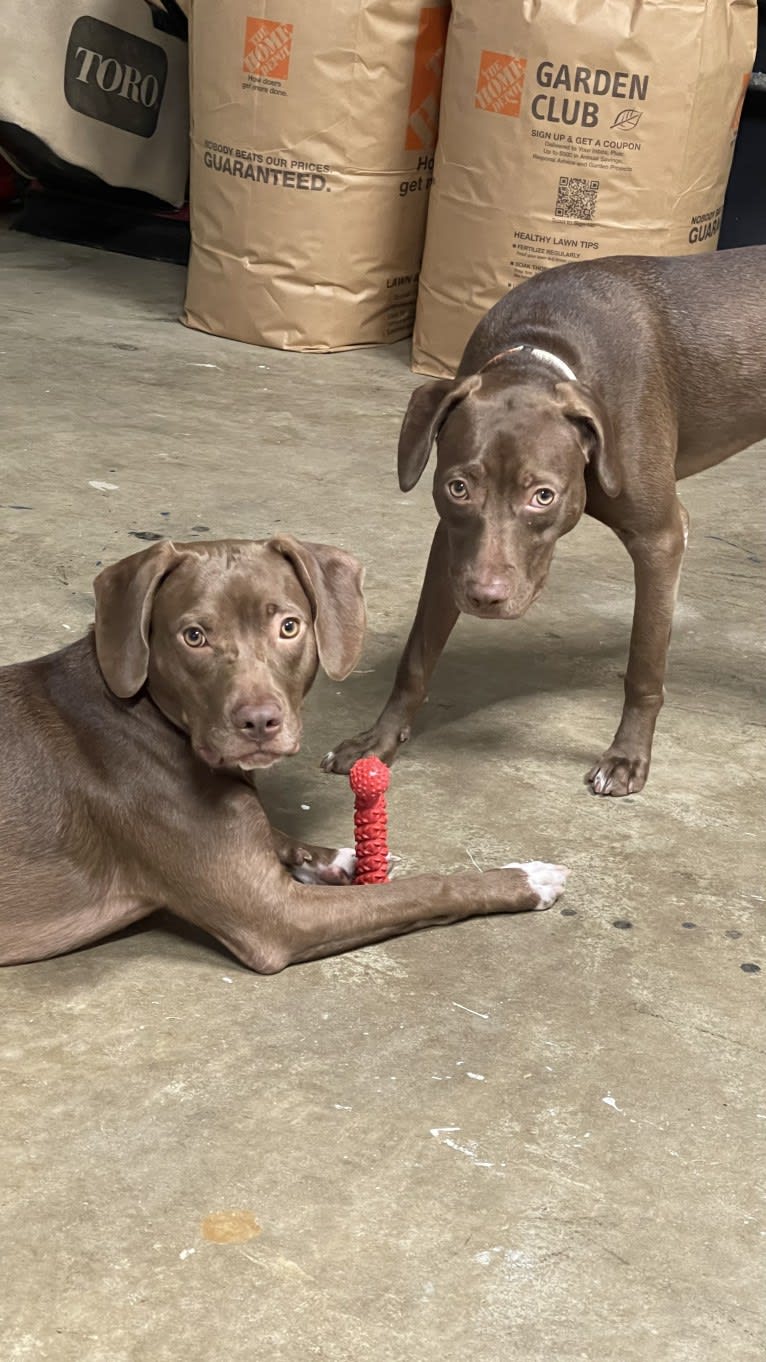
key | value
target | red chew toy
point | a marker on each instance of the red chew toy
(369, 779)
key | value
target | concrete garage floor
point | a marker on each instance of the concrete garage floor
(526, 1138)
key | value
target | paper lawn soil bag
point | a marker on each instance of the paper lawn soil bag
(313, 128)
(572, 129)
(94, 88)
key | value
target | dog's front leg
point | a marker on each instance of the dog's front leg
(434, 621)
(657, 558)
(276, 922)
(231, 883)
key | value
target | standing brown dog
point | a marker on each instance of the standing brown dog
(124, 784)
(591, 387)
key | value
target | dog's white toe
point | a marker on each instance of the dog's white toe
(345, 860)
(547, 881)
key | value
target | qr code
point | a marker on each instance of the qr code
(577, 198)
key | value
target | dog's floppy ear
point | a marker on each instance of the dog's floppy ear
(124, 598)
(428, 409)
(332, 580)
(592, 421)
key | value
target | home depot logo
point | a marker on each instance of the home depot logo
(500, 83)
(267, 48)
(423, 113)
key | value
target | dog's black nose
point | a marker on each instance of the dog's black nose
(484, 594)
(259, 721)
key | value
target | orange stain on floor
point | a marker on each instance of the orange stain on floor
(230, 1227)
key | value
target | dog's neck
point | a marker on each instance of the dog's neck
(536, 353)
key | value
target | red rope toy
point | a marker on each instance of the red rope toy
(369, 779)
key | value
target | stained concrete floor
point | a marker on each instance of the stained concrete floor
(526, 1138)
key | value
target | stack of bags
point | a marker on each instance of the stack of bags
(569, 129)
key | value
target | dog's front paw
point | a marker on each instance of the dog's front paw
(327, 867)
(378, 742)
(618, 774)
(545, 880)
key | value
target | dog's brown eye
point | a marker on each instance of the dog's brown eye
(458, 489)
(544, 496)
(289, 628)
(194, 637)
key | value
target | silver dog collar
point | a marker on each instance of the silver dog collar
(544, 355)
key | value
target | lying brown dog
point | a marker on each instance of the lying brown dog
(124, 784)
(591, 387)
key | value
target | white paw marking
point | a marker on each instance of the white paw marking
(546, 880)
(601, 782)
(345, 860)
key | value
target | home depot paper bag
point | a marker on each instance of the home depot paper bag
(572, 129)
(313, 131)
